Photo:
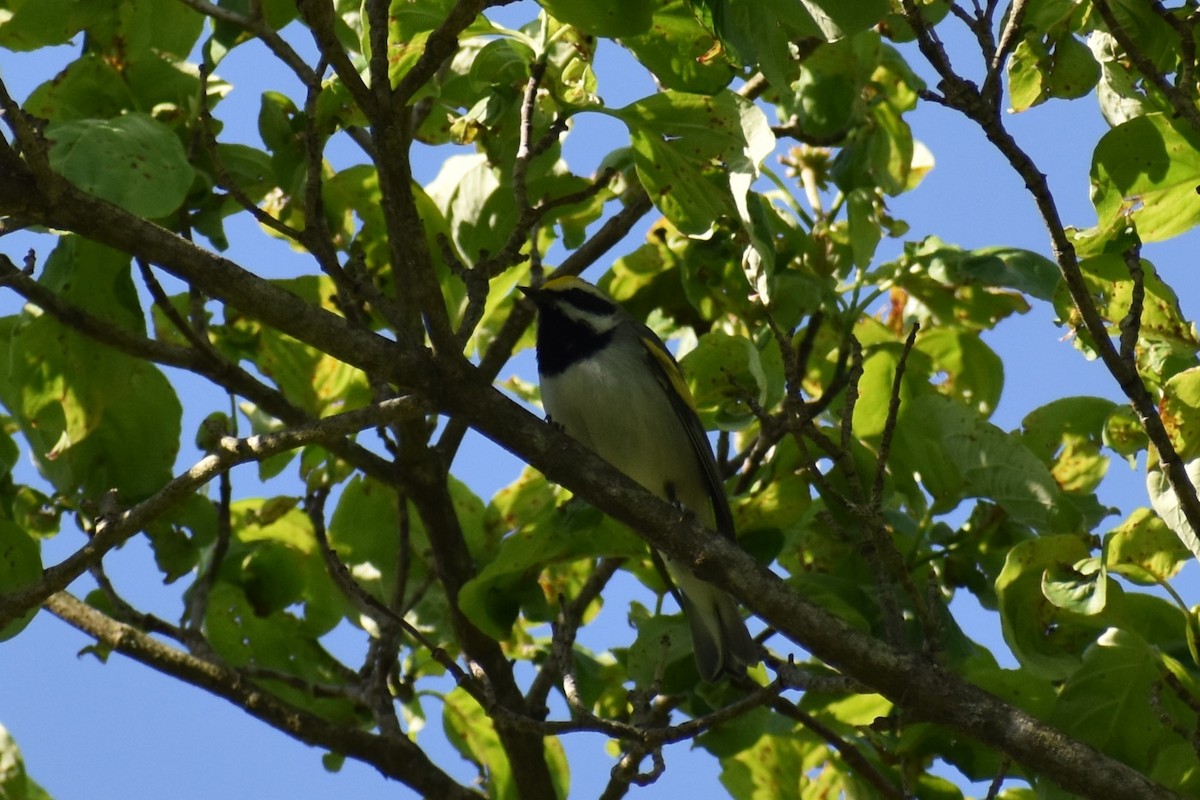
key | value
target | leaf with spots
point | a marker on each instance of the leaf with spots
(133, 161)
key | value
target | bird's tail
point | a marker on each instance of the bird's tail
(722, 645)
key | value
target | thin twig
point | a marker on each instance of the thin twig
(384, 616)
(854, 759)
(319, 15)
(569, 618)
(169, 311)
(33, 144)
(258, 28)
(197, 600)
(228, 453)
(225, 180)
(998, 782)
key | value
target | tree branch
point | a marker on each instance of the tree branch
(230, 452)
(1183, 105)
(914, 682)
(962, 96)
(394, 756)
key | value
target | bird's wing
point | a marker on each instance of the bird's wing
(666, 372)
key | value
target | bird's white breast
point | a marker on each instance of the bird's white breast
(613, 404)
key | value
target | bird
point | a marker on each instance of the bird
(611, 383)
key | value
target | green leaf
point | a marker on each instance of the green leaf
(277, 641)
(1144, 550)
(608, 18)
(1010, 267)
(1149, 32)
(1123, 433)
(677, 49)
(971, 288)
(310, 378)
(827, 99)
(1027, 68)
(493, 598)
(500, 62)
(1081, 588)
(274, 561)
(1148, 169)
(761, 33)
(479, 207)
(663, 643)
(1075, 71)
(1165, 501)
(365, 530)
(1180, 412)
(96, 419)
(1108, 702)
(1048, 640)
(1109, 283)
(132, 161)
(33, 24)
(20, 566)
(959, 454)
(89, 87)
(180, 535)
(470, 730)
(773, 768)
(889, 150)
(1067, 434)
(697, 154)
(865, 231)
(974, 373)
(137, 28)
(837, 20)
(723, 371)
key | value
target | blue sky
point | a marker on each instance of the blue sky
(120, 730)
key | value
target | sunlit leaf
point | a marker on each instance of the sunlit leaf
(1148, 168)
(1144, 550)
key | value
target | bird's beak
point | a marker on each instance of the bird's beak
(533, 294)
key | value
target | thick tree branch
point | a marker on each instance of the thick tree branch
(914, 682)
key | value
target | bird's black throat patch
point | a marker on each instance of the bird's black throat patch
(562, 341)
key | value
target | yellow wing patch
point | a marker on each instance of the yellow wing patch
(670, 369)
(671, 379)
